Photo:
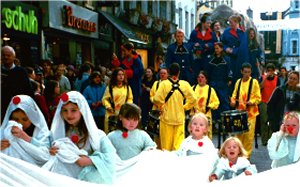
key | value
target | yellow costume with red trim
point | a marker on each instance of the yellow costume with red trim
(213, 104)
(252, 110)
(119, 97)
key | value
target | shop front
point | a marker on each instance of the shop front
(20, 28)
(140, 38)
(68, 32)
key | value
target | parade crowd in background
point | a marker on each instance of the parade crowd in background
(91, 118)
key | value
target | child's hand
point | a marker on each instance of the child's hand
(53, 150)
(247, 172)
(4, 144)
(213, 177)
(283, 128)
(84, 161)
(19, 133)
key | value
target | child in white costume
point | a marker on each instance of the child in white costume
(233, 161)
(86, 151)
(198, 141)
(24, 131)
(284, 145)
(127, 139)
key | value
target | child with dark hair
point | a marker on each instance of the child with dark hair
(94, 94)
(127, 139)
(24, 132)
(80, 149)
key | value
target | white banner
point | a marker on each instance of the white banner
(274, 25)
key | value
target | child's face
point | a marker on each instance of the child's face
(291, 126)
(97, 80)
(198, 127)
(218, 49)
(246, 72)
(129, 124)
(71, 113)
(232, 150)
(20, 117)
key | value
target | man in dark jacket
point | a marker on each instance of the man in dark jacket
(14, 79)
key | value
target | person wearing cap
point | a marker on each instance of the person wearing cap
(202, 39)
(180, 52)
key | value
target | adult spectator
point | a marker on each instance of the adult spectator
(283, 75)
(64, 83)
(83, 75)
(14, 79)
(267, 85)
(285, 98)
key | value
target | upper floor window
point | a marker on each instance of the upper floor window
(294, 46)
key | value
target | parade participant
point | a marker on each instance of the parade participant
(170, 98)
(79, 147)
(216, 27)
(235, 45)
(256, 55)
(24, 131)
(134, 68)
(93, 93)
(198, 141)
(285, 98)
(128, 140)
(246, 96)
(207, 99)
(220, 76)
(284, 145)
(146, 104)
(202, 38)
(233, 161)
(267, 85)
(163, 75)
(179, 52)
(14, 79)
(116, 94)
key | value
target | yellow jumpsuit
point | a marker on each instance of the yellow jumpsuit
(213, 104)
(255, 98)
(173, 112)
(119, 98)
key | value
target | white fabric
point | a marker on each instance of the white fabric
(15, 172)
(62, 163)
(23, 150)
(28, 105)
(163, 168)
(58, 124)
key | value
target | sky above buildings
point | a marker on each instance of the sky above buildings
(259, 6)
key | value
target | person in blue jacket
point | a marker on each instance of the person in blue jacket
(236, 46)
(202, 40)
(179, 52)
(93, 93)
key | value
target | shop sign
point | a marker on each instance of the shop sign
(68, 17)
(20, 21)
(76, 22)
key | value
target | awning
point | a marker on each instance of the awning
(125, 29)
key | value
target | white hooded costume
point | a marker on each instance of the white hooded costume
(37, 151)
(98, 147)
